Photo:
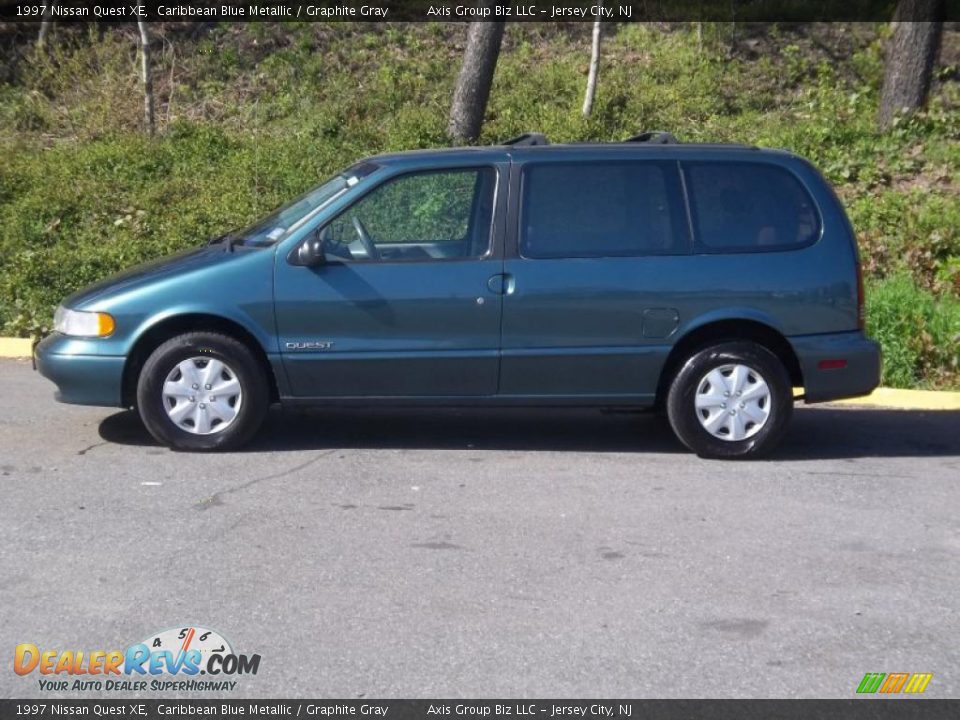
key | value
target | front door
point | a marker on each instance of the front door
(407, 304)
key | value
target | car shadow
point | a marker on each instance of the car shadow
(815, 433)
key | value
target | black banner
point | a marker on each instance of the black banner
(34, 11)
(854, 709)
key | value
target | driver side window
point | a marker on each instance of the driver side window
(435, 215)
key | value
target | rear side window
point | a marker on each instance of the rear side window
(601, 209)
(749, 207)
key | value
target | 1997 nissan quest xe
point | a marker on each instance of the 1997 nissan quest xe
(707, 280)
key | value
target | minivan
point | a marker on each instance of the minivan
(707, 281)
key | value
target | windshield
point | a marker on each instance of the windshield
(281, 222)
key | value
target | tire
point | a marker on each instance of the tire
(171, 412)
(715, 425)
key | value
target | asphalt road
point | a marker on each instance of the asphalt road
(488, 553)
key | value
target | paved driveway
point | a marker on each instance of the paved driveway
(489, 553)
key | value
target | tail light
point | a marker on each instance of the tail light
(832, 364)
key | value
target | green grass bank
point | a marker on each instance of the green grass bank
(249, 115)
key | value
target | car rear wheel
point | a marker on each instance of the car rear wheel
(731, 400)
(202, 391)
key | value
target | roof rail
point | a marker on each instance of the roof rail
(530, 138)
(655, 137)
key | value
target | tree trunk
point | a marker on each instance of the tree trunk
(473, 83)
(45, 27)
(147, 77)
(594, 70)
(911, 53)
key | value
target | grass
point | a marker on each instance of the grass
(918, 332)
(250, 115)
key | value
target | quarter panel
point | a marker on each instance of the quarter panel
(582, 315)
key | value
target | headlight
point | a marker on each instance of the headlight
(82, 324)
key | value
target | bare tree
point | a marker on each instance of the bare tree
(594, 70)
(45, 25)
(911, 53)
(473, 84)
(146, 72)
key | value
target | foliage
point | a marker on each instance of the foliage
(920, 333)
(250, 115)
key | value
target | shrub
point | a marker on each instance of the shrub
(919, 333)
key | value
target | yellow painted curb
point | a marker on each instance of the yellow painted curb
(15, 347)
(897, 399)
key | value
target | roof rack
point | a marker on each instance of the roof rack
(655, 137)
(530, 138)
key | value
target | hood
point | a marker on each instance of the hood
(148, 272)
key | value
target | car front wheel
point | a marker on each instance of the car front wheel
(202, 391)
(731, 400)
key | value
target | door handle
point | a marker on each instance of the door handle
(502, 284)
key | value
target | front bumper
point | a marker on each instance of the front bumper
(859, 373)
(82, 377)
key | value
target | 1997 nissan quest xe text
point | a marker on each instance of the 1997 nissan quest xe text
(708, 280)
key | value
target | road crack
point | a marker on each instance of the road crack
(217, 497)
(88, 448)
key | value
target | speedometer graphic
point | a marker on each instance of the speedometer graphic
(180, 641)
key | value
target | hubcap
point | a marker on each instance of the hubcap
(202, 395)
(733, 402)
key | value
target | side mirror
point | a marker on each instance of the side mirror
(309, 253)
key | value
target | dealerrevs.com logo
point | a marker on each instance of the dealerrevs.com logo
(171, 660)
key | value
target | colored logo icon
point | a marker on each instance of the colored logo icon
(892, 683)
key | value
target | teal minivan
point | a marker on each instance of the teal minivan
(706, 280)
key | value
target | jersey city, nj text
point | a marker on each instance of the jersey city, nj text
(530, 11)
